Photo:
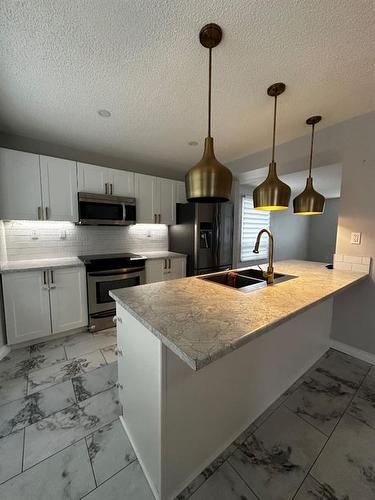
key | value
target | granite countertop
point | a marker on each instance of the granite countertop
(163, 254)
(35, 264)
(201, 321)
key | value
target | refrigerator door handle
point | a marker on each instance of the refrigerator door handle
(217, 235)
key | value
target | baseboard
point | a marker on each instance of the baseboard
(145, 472)
(353, 351)
(4, 351)
(47, 338)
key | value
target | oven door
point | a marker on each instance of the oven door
(99, 284)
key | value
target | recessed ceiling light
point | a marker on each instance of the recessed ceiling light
(193, 143)
(104, 113)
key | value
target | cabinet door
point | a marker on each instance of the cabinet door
(180, 192)
(59, 188)
(177, 268)
(148, 198)
(68, 298)
(20, 192)
(167, 189)
(123, 183)
(92, 178)
(26, 306)
(156, 270)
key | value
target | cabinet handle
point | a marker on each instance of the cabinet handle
(169, 263)
(45, 281)
(52, 283)
(39, 213)
(106, 187)
(159, 218)
(119, 351)
(111, 188)
(154, 218)
(47, 213)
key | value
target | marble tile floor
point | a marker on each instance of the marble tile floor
(61, 437)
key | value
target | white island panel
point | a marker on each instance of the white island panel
(179, 420)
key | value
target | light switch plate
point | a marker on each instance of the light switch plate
(355, 238)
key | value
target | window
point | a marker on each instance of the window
(252, 221)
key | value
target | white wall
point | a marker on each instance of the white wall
(350, 143)
(322, 233)
(79, 240)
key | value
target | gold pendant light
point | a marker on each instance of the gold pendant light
(272, 194)
(310, 202)
(209, 181)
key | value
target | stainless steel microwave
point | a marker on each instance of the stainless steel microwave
(106, 210)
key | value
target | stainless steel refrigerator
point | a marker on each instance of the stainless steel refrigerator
(204, 231)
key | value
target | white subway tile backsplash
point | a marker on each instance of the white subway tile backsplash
(353, 259)
(360, 268)
(343, 266)
(79, 240)
(351, 263)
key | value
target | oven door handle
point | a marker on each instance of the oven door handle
(117, 272)
(123, 212)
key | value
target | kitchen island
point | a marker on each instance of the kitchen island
(198, 362)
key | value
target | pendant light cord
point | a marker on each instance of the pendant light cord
(274, 130)
(311, 148)
(209, 90)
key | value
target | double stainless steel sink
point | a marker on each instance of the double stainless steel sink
(245, 280)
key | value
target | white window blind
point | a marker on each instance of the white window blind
(252, 221)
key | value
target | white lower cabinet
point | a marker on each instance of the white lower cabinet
(26, 305)
(165, 269)
(43, 302)
(68, 299)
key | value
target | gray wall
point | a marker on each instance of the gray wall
(350, 143)
(291, 235)
(322, 233)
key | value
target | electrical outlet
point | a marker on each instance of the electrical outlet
(355, 238)
(34, 235)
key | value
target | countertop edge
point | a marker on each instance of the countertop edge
(162, 254)
(38, 267)
(197, 365)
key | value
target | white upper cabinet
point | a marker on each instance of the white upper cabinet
(122, 183)
(156, 199)
(148, 201)
(180, 192)
(167, 194)
(93, 179)
(102, 180)
(26, 305)
(20, 190)
(59, 189)
(68, 298)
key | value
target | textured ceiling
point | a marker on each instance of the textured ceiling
(62, 60)
(327, 180)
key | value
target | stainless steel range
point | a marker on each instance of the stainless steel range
(105, 273)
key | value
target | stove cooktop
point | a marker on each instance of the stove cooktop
(88, 259)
